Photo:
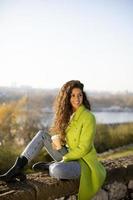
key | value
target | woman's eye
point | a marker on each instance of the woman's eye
(73, 95)
(80, 95)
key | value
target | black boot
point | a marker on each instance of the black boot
(15, 171)
(42, 166)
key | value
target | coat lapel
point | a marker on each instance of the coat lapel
(78, 112)
(75, 117)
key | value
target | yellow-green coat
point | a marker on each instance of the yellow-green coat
(80, 135)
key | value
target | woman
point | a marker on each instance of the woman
(75, 124)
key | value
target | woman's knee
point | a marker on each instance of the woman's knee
(42, 134)
(55, 170)
(64, 170)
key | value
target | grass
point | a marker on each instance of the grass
(9, 153)
(117, 153)
(113, 136)
(7, 157)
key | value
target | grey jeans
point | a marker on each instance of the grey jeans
(59, 170)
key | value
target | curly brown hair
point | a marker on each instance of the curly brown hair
(63, 108)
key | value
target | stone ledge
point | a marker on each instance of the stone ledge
(40, 186)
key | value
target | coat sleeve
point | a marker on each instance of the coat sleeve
(86, 140)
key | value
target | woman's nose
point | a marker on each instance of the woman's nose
(77, 98)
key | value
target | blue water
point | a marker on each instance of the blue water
(101, 117)
(113, 117)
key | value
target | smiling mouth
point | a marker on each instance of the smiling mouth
(77, 103)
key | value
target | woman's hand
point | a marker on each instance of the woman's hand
(54, 146)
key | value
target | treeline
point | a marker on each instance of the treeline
(44, 98)
(108, 99)
(19, 121)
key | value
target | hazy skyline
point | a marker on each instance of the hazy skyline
(44, 43)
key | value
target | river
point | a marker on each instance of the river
(113, 117)
(103, 117)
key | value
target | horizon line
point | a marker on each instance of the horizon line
(57, 88)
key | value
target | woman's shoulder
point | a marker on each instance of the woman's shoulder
(87, 114)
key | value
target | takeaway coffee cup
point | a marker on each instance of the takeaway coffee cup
(56, 141)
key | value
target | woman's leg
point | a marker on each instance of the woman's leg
(55, 154)
(42, 139)
(34, 147)
(39, 140)
(27, 155)
(65, 170)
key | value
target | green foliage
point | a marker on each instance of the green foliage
(7, 157)
(18, 124)
(113, 136)
(9, 119)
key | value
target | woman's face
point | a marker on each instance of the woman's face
(76, 98)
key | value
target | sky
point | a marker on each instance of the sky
(44, 43)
